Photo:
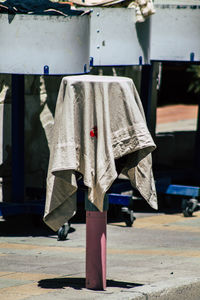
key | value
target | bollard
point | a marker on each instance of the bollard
(96, 222)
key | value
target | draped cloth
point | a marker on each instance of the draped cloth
(98, 121)
(39, 7)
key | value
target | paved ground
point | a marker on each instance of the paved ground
(157, 258)
(176, 112)
(177, 118)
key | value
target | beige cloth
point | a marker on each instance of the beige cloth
(98, 119)
(96, 2)
(143, 8)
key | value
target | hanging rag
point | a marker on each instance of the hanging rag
(143, 8)
(38, 7)
(98, 120)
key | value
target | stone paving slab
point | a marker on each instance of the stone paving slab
(157, 258)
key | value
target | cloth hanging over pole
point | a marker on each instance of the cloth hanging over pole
(99, 120)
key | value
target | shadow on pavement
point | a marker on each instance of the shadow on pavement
(26, 225)
(79, 283)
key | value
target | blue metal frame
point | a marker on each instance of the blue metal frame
(18, 190)
(119, 199)
(32, 208)
(146, 90)
(181, 190)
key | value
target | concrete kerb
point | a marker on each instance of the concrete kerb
(181, 288)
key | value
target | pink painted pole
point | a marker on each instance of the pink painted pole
(96, 250)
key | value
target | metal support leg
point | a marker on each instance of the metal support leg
(197, 146)
(146, 88)
(96, 222)
(18, 190)
(148, 93)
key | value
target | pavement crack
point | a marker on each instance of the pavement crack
(3, 275)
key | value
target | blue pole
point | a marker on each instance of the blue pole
(197, 150)
(146, 90)
(18, 190)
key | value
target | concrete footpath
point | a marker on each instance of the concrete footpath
(157, 258)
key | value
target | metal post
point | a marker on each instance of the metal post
(18, 190)
(96, 222)
(197, 144)
(148, 93)
(145, 91)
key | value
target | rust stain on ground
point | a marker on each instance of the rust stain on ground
(20, 246)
